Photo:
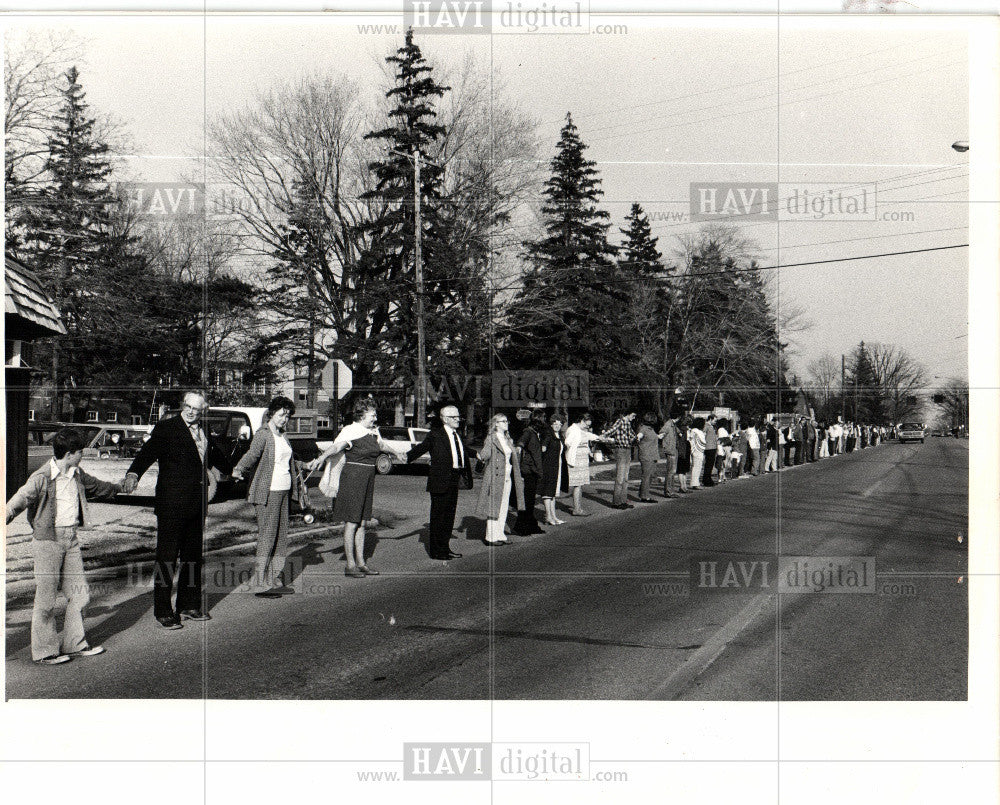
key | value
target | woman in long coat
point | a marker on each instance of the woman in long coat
(502, 471)
(528, 453)
(275, 481)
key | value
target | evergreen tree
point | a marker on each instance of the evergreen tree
(390, 256)
(569, 311)
(75, 234)
(638, 255)
(65, 232)
(863, 396)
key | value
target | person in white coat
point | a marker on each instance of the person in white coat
(577, 441)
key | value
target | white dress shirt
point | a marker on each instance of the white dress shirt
(457, 453)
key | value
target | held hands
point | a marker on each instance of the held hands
(129, 483)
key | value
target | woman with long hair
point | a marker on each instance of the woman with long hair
(500, 473)
(275, 481)
(353, 505)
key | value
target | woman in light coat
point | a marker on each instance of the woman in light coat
(578, 439)
(502, 471)
(275, 481)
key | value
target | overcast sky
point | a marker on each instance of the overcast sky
(666, 104)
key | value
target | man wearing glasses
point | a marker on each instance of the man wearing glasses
(184, 451)
(449, 464)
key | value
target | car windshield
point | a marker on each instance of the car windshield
(912, 426)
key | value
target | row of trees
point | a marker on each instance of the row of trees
(317, 258)
(878, 383)
(139, 307)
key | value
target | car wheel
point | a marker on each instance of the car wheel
(921, 441)
(383, 464)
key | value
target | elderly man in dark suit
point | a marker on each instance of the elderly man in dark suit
(184, 451)
(450, 463)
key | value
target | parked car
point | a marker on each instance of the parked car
(232, 428)
(911, 432)
(402, 439)
(100, 441)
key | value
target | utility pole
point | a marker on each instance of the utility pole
(843, 398)
(418, 269)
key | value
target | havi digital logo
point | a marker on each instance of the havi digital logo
(446, 761)
(447, 16)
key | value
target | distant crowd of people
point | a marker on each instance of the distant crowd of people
(549, 459)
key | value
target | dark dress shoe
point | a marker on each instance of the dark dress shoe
(647, 500)
(268, 594)
(454, 555)
(169, 622)
(195, 615)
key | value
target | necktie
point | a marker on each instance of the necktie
(459, 456)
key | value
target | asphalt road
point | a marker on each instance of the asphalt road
(599, 608)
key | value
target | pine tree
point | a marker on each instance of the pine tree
(569, 311)
(391, 254)
(862, 389)
(638, 255)
(75, 236)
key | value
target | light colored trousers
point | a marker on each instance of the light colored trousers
(772, 461)
(494, 528)
(697, 464)
(58, 563)
(623, 459)
(272, 539)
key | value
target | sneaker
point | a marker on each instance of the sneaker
(55, 659)
(90, 651)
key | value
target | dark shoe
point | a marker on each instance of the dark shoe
(454, 555)
(268, 594)
(195, 615)
(55, 659)
(496, 544)
(354, 572)
(581, 514)
(647, 500)
(367, 570)
(169, 622)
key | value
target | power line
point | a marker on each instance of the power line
(617, 109)
(785, 89)
(868, 237)
(817, 262)
(778, 105)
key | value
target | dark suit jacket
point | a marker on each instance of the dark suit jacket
(443, 477)
(182, 484)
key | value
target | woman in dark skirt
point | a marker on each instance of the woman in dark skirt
(529, 453)
(553, 474)
(353, 505)
(683, 454)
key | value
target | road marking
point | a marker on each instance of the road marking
(681, 679)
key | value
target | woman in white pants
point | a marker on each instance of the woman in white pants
(500, 473)
(696, 438)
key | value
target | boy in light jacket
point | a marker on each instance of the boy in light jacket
(56, 496)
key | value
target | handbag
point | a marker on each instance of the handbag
(329, 484)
